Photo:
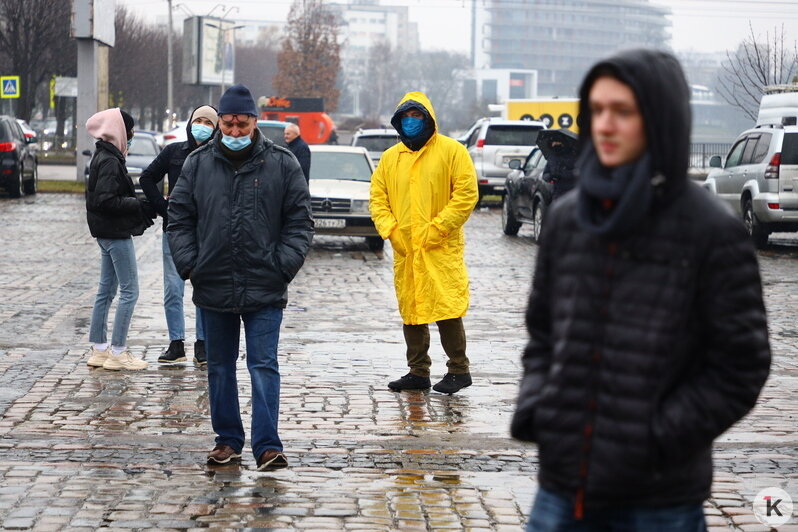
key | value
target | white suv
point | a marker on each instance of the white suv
(492, 143)
(759, 179)
(376, 141)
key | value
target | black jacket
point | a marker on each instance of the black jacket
(168, 163)
(301, 151)
(643, 348)
(112, 209)
(240, 235)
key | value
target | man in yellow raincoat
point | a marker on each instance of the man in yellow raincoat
(422, 193)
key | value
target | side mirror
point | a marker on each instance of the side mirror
(714, 161)
(87, 153)
(515, 164)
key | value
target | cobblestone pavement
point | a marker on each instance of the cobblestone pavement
(83, 449)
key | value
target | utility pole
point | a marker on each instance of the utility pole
(169, 81)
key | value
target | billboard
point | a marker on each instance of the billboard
(94, 19)
(208, 51)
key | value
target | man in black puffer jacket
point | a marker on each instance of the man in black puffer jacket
(648, 336)
(239, 228)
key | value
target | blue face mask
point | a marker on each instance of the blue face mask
(201, 133)
(129, 142)
(236, 143)
(411, 127)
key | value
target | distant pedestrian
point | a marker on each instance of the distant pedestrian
(200, 128)
(560, 159)
(239, 228)
(422, 193)
(648, 336)
(114, 215)
(298, 147)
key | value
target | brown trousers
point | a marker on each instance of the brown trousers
(453, 341)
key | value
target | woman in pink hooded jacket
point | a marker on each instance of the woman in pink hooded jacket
(114, 215)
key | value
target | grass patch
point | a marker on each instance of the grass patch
(73, 187)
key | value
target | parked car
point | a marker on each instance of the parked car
(176, 134)
(376, 141)
(273, 130)
(530, 189)
(19, 170)
(759, 179)
(143, 150)
(492, 143)
(340, 178)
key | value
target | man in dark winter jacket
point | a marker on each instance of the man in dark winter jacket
(648, 336)
(298, 147)
(239, 228)
(200, 128)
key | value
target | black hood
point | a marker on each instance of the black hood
(192, 142)
(418, 142)
(663, 96)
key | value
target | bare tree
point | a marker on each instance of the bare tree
(310, 57)
(32, 34)
(757, 63)
(256, 67)
(382, 90)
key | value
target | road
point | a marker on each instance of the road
(88, 448)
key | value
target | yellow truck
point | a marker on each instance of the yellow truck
(556, 113)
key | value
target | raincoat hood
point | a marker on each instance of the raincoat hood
(420, 101)
(204, 111)
(109, 126)
(663, 96)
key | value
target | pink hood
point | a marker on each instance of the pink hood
(109, 126)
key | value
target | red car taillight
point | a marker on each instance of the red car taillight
(772, 171)
(7, 146)
(481, 143)
(169, 137)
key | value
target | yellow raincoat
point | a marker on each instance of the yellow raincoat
(420, 201)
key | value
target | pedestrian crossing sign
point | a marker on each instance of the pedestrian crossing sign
(9, 86)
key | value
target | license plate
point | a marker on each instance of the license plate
(330, 223)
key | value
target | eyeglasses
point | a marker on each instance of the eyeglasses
(237, 117)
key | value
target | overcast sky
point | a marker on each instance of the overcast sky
(701, 25)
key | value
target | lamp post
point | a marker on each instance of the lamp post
(223, 33)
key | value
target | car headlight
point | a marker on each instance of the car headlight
(361, 206)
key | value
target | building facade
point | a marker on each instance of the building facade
(562, 38)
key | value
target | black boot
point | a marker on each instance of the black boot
(174, 354)
(453, 383)
(200, 359)
(410, 382)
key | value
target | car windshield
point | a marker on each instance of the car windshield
(789, 149)
(332, 165)
(143, 145)
(273, 133)
(512, 135)
(377, 142)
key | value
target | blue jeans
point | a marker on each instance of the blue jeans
(173, 288)
(262, 332)
(117, 270)
(555, 513)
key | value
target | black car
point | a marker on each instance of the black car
(19, 172)
(532, 187)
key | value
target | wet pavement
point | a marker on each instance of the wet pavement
(86, 448)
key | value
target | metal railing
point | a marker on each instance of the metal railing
(702, 152)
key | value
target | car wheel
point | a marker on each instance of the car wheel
(16, 190)
(375, 243)
(758, 233)
(32, 186)
(510, 225)
(537, 219)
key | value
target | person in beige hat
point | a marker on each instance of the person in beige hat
(200, 128)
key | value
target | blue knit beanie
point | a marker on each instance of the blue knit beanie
(237, 100)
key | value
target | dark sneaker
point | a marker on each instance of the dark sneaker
(453, 383)
(271, 460)
(174, 354)
(222, 454)
(410, 382)
(200, 359)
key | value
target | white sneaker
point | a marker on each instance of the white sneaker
(97, 358)
(125, 360)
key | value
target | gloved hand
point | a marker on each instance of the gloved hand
(147, 209)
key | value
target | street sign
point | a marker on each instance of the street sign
(9, 86)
